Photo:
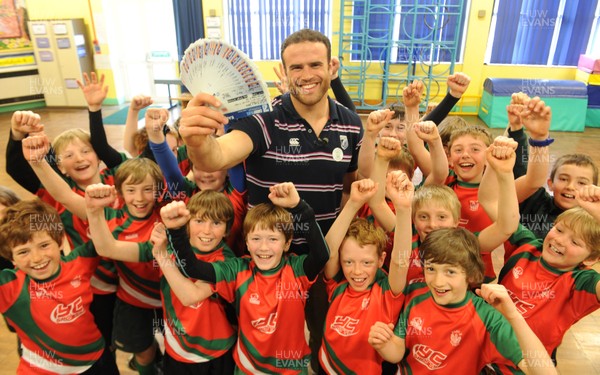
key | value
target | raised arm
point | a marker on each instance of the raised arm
(411, 95)
(22, 123)
(387, 149)
(95, 92)
(286, 195)
(400, 190)
(339, 91)
(375, 122)
(199, 121)
(34, 150)
(515, 131)
(97, 197)
(536, 117)
(588, 198)
(501, 158)
(535, 357)
(360, 192)
(458, 83)
(187, 291)
(155, 120)
(138, 103)
(428, 132)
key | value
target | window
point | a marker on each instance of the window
(258, 27)
(542, 32)
(431, 30)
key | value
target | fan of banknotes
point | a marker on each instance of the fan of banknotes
(218, 68)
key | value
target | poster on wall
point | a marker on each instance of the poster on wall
(15, 43)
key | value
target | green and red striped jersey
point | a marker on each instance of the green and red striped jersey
(454, 339)
(52, 317)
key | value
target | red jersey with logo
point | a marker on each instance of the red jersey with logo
(138, 281)
(349, 319)
(454, 339)
(270, 308)
(550, 300)
(52, 317)
(472, 215)
(198, 333)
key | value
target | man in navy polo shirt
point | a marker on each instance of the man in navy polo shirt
(307, 139)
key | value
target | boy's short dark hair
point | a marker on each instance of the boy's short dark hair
(399, 110)
(25, 218)
(212, 205)
(456, 246)
(365, 233)
(138, 169)
(584, 225)
(306, 35)
(269, 216)
(580, 160)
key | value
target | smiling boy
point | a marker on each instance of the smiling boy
(47, 296)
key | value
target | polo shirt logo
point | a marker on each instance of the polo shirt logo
(343, 142)
(517, 272)
(294, 142)
(254, 299)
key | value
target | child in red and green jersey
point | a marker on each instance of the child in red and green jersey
(47, 297)
(198, 336)
(437, 207)
(446, 328)
(269, 288)
(363, 294)
(551, 282)
(230, 182)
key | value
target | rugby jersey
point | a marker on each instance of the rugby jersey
(454, 339)
(350, 317)
(550, 300)
(52, 317)
(472, 215)
(138, 281)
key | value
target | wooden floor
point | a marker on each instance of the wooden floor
(578, 355)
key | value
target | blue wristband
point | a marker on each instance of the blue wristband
(545, 143)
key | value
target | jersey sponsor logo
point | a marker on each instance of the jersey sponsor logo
(294, 142)
(76, 282)
(455, 337)
(64, 314)
(345, 325)
(522, 306)
(365, 303)
(254, 299)
(266, 326)
(343, 142)
(473, 205)
(517, 272)
(131, 236)
(432, 359)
